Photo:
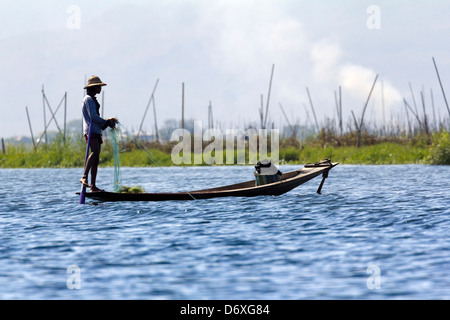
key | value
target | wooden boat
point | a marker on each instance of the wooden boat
(288, 181)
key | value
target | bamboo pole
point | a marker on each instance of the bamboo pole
(312, 108)
(31, 130)
(146, 109)
(268, 96)
(51, 110)
(340, 111)
(442, 87)
(407, 119)
(434, 109)
(261, 112)
(65, 116)
(414, 98)
(3, 146)
(355, 121)
(336, 101)
(383, 107)
(210, 116)
(45, 120)
(367, 102)
(359, 126)
(156, 122)
(287, 119)
(425, 120)
(308, 121)
(412, 111)
(48, 124)
(182, 105)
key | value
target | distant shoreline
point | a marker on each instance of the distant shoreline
(381, 154)
(432, 150)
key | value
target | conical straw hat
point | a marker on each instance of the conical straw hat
(94, 81)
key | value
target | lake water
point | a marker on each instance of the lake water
(376, 232)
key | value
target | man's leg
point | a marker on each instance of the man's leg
(95, 156)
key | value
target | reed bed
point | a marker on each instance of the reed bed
(375, 150)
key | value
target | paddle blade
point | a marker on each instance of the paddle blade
(83, 195)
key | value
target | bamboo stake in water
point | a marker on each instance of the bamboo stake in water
(261, 112)
(146, 109)
(65, 116)
(425, 120)
(156, 122)
(45, 120)
(359, 126)
(367, 102)
(383, 107)
(287, 119)
(434, 110)
(414, 98)
(415, 114)
(31, 130)
(182, 105)
(340, 110)
(51, 111)
(440, 83)
(407, 119)
(337, 106)
(48, 124)
(268, 96)
(210, 116)
(312, 108)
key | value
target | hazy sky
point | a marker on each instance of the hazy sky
(223, 51)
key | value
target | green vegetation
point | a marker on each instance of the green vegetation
(384, 153)
(127, 189)
(433, 150)
(53, 155)
(439, 152)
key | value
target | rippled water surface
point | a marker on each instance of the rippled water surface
(376, 232)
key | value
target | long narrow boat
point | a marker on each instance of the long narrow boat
(288, 181)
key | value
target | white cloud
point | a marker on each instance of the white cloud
(252, 37)
(355, 80)
(223, 51)
(325, 55)
(358, 81)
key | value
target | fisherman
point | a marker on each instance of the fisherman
(91, 115)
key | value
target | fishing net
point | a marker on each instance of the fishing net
(114, 136)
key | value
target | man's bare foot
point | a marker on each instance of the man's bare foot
(84, 182)
(95, 189)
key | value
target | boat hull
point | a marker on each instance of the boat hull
(289, 181)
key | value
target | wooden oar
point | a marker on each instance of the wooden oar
(83, 187)
(324, 176)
